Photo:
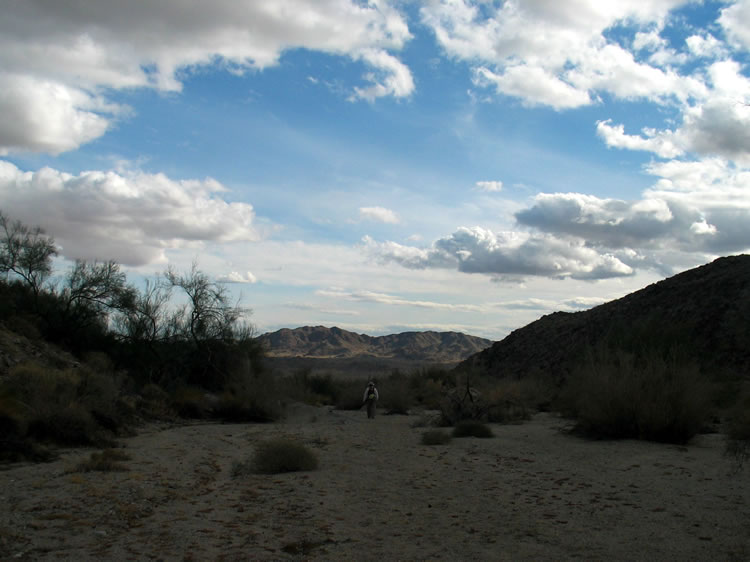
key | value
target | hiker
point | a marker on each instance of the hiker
(370, 398)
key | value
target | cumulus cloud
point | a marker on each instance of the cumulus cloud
(379, 214)
(734, 20)
(718, 125)
(556, 54)
(478, 250)
(74, 53)
(130, 217)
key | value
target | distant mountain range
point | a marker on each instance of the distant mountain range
(703, 314)
(319, 342)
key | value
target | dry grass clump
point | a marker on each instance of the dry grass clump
(276, 456)
(107, 460)
(472, 428)
(436, 437)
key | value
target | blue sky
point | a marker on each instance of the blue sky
(383, 166)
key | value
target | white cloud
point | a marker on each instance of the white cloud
(734, 19)
(130, 217)
(47, 116)
(477, 250)
(556, 53)
(392, 79)
(235, 277)
(491, 186)
(706, 46)
(379, 214)
(392, 300)
(64, 59)
(662, 143)
(717, 125)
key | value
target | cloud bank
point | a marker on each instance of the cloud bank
(58, 61)
(129, 217)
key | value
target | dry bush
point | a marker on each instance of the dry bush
(396, 395)
(649, 396)
(435, 437)
(154, 403)
(351, 395)
(107, 460)
(506, 402)
(276, 456)
(472, 428)
(68, 407)
(192, 402)
(311, 389)
(738, 430)
(250, 397)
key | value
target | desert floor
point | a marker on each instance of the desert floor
(533, 492)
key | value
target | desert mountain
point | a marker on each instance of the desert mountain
(703, 314)
(326, 343)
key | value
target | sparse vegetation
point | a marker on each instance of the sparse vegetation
(738, 430)
(108, 460)
(646, 396)
(472, 428)
(435, 437)
(276, 456)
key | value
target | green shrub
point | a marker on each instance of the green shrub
(472, 428)
(107, 460)
(280, 455)
(435, 437)
(647, 396)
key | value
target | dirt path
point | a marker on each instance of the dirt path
(531, 493)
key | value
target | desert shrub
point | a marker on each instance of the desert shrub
(281, 455)
(305, 387)
(350, 397)
(738, 430)
(108, 460)
(505, 401)
(472, 428)
(250, 398)
(435, 437)
(396, 395)
(648, 396)
(192, 402)
(71, 425)
(154, 403)
(69, 407)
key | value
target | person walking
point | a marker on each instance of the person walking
(370, 398)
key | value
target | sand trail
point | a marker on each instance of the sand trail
(531, 493)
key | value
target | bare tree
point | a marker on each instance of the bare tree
(26, 252)
(91, 290)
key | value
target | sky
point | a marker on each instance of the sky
(384, 165)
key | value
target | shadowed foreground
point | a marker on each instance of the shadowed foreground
(531, 492)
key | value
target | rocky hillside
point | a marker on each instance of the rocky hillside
(321, 342)
(703, 314)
